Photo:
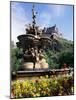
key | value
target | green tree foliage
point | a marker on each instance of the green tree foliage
(15, 61)
(52, 59)
(66, 57)
(56, 59)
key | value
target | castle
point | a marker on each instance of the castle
(52, 32)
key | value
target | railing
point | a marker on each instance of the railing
(32, 73)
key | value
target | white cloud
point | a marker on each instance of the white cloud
(44, 19)
(50, 13)
(58, 10)
(18, 21)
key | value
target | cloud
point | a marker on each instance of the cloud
(18, 20)
(58, 10)
(44, 19)
(51, 13)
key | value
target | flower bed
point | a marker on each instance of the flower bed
(43, 86)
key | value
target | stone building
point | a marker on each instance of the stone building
(52, 32)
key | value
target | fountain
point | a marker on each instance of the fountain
(32, 44)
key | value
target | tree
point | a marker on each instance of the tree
(15, 61)
(66, 57)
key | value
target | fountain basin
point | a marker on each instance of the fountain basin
(28, 65)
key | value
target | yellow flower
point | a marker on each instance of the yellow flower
(60, 94)
(44, 84)
(39, 89)
(46, 76)
(56, 82)
(41, 77)
(44, 92)
(37, 94)
(33, 94)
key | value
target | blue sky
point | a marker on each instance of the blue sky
(48, 15)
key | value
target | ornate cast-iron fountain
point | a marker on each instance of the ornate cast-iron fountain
(33, 43)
